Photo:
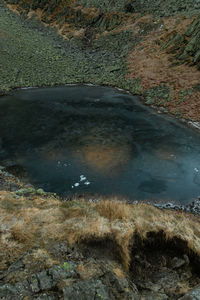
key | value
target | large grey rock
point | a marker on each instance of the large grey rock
(7, 290)
(45, 281)
(86, 290)
(193, 294)
(57, 273)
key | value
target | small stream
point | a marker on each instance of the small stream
(97, 140)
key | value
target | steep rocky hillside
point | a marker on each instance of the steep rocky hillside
(150, 48)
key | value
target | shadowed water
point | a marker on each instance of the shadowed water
(81, 139)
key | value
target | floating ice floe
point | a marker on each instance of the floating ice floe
(196, 170)
(87, 183)
(82, 178)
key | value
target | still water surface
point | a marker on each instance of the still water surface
(86, 139)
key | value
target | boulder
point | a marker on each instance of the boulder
(193, 294)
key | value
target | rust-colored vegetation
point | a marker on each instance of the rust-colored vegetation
(39, 222)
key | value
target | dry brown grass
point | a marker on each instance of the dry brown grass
(32, 226)
(23, 234)
(152, 65)
(118, 272)
(113, 210)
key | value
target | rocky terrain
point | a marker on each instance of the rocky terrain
(151, 49)
(52, 248)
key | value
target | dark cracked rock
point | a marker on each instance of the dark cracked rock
(86, 290)
(45, 285)
(46, 280)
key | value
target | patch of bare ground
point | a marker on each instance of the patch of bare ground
(154, 67)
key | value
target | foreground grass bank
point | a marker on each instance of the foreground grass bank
(40, 233)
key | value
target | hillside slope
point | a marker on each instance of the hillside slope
(149, 49)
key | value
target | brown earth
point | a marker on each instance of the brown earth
(153, 66)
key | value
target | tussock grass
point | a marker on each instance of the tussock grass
(113, 210)
(38, 222)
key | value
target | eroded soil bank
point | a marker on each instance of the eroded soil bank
(106, 249)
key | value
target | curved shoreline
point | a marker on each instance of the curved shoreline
(195, 125)
(193, 207)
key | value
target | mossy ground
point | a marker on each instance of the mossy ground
(32, 55)
(116, 46)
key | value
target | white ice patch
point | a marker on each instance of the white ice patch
(196, 170)
(87, 183)
(82, 178)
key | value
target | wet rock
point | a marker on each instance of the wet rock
(193, 294)
(194, 124)
(177, 263)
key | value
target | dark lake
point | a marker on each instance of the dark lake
(97, 140)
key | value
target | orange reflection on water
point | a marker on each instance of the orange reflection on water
(166, 153)
(106, 159)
